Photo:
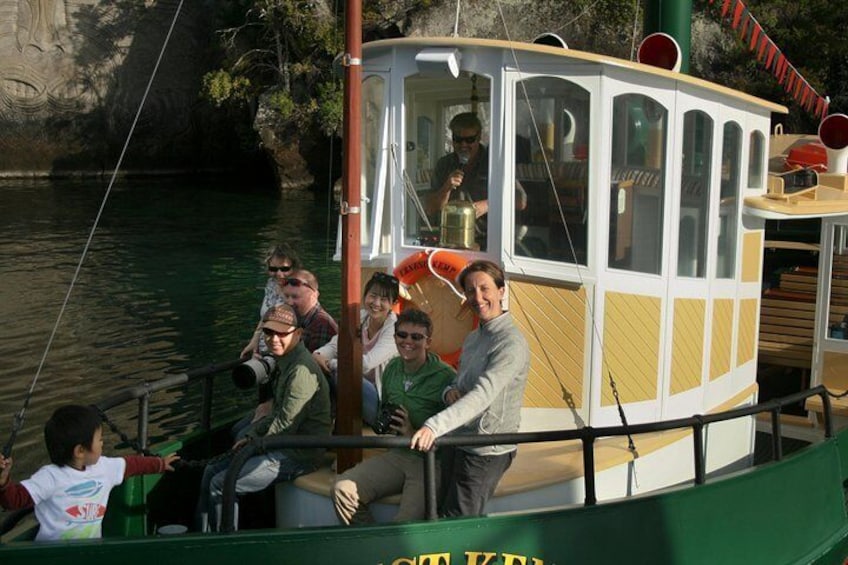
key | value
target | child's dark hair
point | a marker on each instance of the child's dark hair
(68, 427)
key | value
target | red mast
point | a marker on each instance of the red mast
(348, 411)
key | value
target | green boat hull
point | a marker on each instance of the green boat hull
(791, 511)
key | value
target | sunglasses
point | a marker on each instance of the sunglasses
(296, 283)
(269, 333)
(415, 335)
(466, 139)
(283, 268)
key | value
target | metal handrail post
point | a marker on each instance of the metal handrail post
(828, 415)
(776, 443)
(430, 502)
(698, 446)
(590, 496)
(143, 419)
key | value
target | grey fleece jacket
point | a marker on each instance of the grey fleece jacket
(492, 373)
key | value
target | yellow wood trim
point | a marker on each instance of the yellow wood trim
(631, 347)
(745, 342)
(687, 353)
(752, 250)
(735, 400)
(553, 320)
(721, 337)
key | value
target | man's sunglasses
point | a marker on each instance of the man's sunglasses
(415, 335)
(466, 139)
(296, 283)
(283, 268)
(269, 333)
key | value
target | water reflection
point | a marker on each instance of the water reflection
(173, 278)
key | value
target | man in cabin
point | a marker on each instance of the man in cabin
(301, 406)
(412, 387)
(70, 494)
(463, 174)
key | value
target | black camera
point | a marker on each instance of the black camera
(254, 372)
(383, 422)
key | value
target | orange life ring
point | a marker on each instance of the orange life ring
(414, 267)
(447, 265)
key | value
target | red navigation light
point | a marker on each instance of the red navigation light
(660, 50)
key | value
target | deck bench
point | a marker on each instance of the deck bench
(542, 475)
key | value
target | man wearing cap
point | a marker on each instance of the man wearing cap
(300, 290)
(301, 406)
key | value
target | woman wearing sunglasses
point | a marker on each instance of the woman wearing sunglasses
(377, 325)
(280, 262)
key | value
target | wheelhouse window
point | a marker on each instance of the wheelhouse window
(637, 184)
(551, 169)
(731, 157)
(373, 92)
(694, 194)
(446, 171)
(756, 159)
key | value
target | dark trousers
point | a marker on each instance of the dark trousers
(469, 480)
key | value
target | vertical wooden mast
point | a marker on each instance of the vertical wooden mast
(348, 411)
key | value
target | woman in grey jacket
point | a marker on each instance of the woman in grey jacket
(486, 398)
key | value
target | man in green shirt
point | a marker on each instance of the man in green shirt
(415, 381)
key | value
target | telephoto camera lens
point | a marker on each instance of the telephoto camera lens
(254, 372)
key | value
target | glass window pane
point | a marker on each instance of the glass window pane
(731, 154)
(637, 191)
(694, 194)
(447, 161)
(551, 169)
(756, 160)
(373, 91)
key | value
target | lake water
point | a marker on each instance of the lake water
(173, 279)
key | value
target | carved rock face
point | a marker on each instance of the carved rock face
(37, 63)
(73, 73)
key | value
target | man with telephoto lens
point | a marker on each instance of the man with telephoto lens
(300, 406)
(414, 381)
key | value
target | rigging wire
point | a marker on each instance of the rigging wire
(585, 11)
(456, 20)
(19, 418)
(635, 27)
(561, 212)
(330, 247)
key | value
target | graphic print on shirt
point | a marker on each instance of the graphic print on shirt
(88, 508)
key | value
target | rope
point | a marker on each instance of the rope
(635, 27)
(456, 21)
(19, 418)
(561, 212)
(177, 465)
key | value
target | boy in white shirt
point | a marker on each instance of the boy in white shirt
(70, 495)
